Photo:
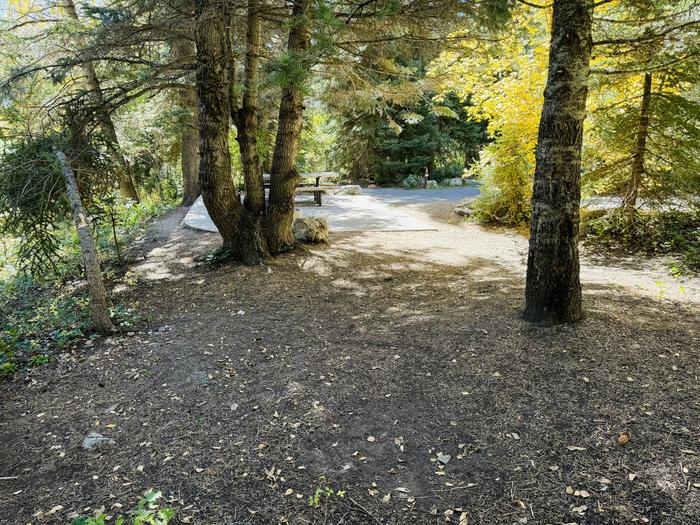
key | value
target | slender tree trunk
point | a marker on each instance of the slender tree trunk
(234, 223)
(184, 51)
(126, 183)
(284, 176)
(189, 150)
(268, 134)
(553, 288)
(247, 118)
(630, 199)
(99, 304)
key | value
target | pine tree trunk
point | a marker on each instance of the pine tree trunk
(189, 150)
(184, 51)
(637, 172)
(553, 288)
(247, 121)
(126, 184)
(99, 304)
(284, 176)
(241, 236)
(268, 134)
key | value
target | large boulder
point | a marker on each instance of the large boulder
(431, 184)
(465, 207)
(349, 189)
(457, 181)
(310, 229)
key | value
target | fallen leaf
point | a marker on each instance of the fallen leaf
(624, 438)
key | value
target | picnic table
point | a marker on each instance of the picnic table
(315, 187)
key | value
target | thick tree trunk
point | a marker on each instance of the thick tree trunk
(637, 172)
(553, 288)
(236, 226)
(247, 118)
(126, 184)
(99, 304)
(184, 51)
(284, 176)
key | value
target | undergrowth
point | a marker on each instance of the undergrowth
(674, 233)
(148, 511)
(47, 314)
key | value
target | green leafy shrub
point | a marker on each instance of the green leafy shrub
(448, 171)
(657, 232)
(506, 186)
(412, 181)
(147, 512)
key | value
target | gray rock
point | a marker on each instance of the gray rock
(311, 229)
(349, 189)
(431, 184)
(93, 440)
(464, 208)
(443, 458)
(457, 181)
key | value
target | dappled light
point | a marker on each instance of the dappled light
(349, 262)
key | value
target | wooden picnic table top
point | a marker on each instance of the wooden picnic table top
(318, 175)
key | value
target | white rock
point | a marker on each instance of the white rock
(431, 184)
(457, 181)
(93, 439)
(311, 229)
(349, 189)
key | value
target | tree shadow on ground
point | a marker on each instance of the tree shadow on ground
(353, 367)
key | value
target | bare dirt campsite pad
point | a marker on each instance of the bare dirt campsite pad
(388, 374)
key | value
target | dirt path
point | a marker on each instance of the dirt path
(352, 366)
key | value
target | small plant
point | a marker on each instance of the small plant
(323, 492)
(412, 181)
(147, 512)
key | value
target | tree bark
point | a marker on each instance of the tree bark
(126, 184)
(99, 304)
(553, 288)
(247, 119)
(235, 225)
(635, 182)
(184, 50)
(189, 150)
(284, 176)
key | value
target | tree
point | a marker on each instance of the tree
(284, 176)
(126, 183)
(553, 288)
(503, 77)
(99, 304)
(183, 50)
(214, 93)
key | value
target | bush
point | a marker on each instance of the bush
(653, 233)
(448, 171)
(412, 181)
(506, 186)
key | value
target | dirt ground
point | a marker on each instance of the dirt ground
(362, 366)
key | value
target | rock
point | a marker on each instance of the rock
(431, 184)
(93, 439)
(443, 458)
(311, 229)
(349, 189)
(457, 181)
(464, 208)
